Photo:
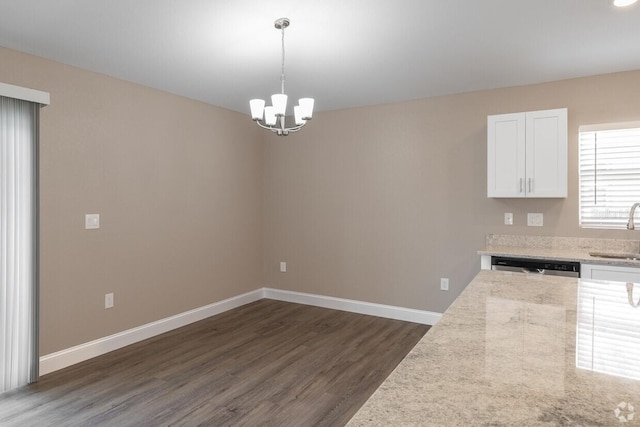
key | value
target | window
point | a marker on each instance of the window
(609, 162)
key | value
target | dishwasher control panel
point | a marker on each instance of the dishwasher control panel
(538, 266)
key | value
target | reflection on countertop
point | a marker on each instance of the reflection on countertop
(608, 329)
(504, 353)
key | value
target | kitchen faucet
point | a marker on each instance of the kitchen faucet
(630, 296)
(630, 224)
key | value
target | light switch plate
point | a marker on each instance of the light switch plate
(534, 219)
(91, 221)
(508, 218)
(283, 267)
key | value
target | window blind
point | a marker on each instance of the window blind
(609, 176)
(18, 242)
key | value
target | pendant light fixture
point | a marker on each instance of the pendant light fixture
(273, 117)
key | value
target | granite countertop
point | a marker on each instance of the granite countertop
(504, 354)
(561, 248)
(556, 254)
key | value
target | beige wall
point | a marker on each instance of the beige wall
(178, 185)
(378, 203)
(197, 204)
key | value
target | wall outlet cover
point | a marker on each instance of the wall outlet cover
(508, 218)
(534, 219)
(91, 221)
(108, 300)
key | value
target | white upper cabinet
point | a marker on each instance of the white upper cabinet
(527, 154)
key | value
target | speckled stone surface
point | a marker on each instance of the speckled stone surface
(561, 248)
(504, 354)
(556, 242)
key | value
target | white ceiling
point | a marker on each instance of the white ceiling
(344, 53)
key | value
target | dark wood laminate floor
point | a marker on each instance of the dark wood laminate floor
(266, 363)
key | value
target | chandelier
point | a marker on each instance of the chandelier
(273, 117)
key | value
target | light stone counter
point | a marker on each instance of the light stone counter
(504, 354)
(561, 248)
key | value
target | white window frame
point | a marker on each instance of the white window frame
(606, 167)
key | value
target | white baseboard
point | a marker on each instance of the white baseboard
(70, 356)
(361, 307)
(61, 359)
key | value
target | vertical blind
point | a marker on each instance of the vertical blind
(609, 176)
(18, 242)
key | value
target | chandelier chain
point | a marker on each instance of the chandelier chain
(282, 75)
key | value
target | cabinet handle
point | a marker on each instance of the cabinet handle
(521, 185)
(530, 185)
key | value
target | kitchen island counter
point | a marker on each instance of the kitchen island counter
(504, 354)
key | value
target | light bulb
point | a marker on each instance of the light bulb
(257, 108)
(306, 105)
(279, 103)
(297, 113)
(269, 116)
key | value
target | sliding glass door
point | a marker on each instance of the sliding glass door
(18, 242)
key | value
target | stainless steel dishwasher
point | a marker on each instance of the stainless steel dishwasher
(536, 266)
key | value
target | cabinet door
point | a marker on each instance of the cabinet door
(610, 272)
(506, 155)
(546, 157)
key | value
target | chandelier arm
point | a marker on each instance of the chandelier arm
(267, 127)
(281, 129)
(295, 128)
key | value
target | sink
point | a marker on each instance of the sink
(616, 255)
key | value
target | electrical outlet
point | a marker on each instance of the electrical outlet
(508, 218)
(534, 219)
(108, 300)
(283, 267)
(444, 284)
(91, 221)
